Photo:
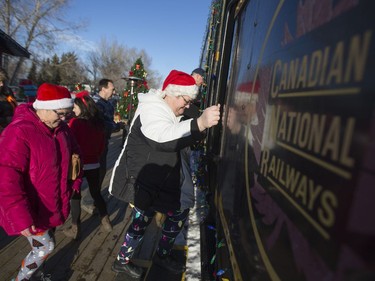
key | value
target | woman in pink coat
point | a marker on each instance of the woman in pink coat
(36, 150)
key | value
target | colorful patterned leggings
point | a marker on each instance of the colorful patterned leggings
(42, 244)
(141, 219)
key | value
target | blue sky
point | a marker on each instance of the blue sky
(170, 31)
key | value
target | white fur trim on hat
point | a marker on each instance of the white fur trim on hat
(50, 96)
(179, 83)
(178, 90)
(53, 104)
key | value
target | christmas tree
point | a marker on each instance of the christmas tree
(136, 84)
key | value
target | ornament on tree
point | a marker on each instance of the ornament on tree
(79, 88)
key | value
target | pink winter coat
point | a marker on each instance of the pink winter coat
(34, 164)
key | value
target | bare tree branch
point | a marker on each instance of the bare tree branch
(35, 24)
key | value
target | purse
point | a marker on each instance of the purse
(75, 167)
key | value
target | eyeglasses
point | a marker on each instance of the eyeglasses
(187, 102)
(62, 114)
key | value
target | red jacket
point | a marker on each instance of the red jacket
(34, 164)
(90, 138)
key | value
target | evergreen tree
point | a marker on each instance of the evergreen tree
(55, 70)
(33, 73)
(128, 103)
(71, 71)
(45, 72)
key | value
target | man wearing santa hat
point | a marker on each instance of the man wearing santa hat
(36, 149)
(151, 155)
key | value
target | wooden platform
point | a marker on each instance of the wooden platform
(92, 256)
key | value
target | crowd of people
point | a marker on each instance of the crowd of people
(46, 156)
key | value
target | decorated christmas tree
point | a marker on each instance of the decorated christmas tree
(136, 83)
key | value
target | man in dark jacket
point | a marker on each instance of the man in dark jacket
(106, 90)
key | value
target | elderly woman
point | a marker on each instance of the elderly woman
(152, 156)
(36, 149)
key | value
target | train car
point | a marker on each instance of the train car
(291, 168)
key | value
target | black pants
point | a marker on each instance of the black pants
(93, 180)
(103, 164)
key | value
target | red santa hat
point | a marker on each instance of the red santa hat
(179, 83)
(51, 96)
(82, 94)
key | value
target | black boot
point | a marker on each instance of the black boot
(129, 268)
(169, 263)
(74, 230)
